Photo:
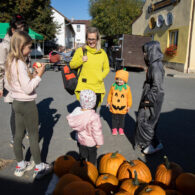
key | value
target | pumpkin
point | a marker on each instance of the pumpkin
(122, 192)
(172, 192)
(185, 183)
(167, 173)
(99, 192)
(130, 185)
(85, 170)
(107, 183)
(65, 180)
(127, 171)
(62, 165)
(110, 163)
(152, 190)
(78, 188)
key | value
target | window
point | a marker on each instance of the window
(78, 27)
(173, 37)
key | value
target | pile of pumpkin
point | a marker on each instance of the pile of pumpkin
(120, 177)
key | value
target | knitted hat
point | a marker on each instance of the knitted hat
(87, 99)
(122, 74)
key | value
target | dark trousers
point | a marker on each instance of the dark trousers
(12, 121)
(118, 121)
(89, 153)
(98, 99)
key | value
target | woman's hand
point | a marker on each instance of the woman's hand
(85, 58)
(40, 70)
(97, 146)
(108, 105)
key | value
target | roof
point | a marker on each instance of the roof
(86, 22)
(66, 19)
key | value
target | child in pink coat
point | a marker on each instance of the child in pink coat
(87, 123)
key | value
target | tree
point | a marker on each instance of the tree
(114, 17)
(38, 14)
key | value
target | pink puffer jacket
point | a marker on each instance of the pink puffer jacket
(88, 125)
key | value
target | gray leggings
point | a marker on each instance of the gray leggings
(26, 117)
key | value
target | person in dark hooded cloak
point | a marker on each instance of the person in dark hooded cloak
(151, 100)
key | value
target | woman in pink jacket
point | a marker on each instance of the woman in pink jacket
(88, 125)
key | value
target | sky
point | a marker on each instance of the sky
(77, 9)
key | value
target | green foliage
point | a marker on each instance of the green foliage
(114, 17)
(37, 13)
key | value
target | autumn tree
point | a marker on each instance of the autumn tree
(114, 17)
(37, 13)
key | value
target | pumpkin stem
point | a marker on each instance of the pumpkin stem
(114, 154)
(148, 190)
(167, 164)
(132, 163)
(135, 180)
(65, 157)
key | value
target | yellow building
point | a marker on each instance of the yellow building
(172, 23)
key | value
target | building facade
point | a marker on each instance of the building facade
(171, 22)
(80, 27)
(65, 35)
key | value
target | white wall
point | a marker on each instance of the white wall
(59, 19)
(80, 36)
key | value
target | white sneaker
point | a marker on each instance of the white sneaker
(19, 172)
(44, 170)
(150, 149)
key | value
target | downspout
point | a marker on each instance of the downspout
(190, 41)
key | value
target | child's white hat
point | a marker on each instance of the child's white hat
(87, 99)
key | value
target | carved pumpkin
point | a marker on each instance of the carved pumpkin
(185, 183)
(167, 173)
(130, 185)
(127, 171)
(62, 165)
(85, 170)
(78, 188)
(110, 163)
(107, 183)
(152, 190)
(65, 180)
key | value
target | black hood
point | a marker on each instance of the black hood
(153, 52)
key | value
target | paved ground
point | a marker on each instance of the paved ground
(176, 128)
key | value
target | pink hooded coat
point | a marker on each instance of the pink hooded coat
(88, 125)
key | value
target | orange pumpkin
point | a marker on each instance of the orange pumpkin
(65, 180)
(85, 170)
(167, 173)
(127, 171)
(185, 183)
(62, 165)
(123, 192)
(107, 183)
(130, 185)
(78, 188)
(172, 192)
(152, 190)
(110, 163)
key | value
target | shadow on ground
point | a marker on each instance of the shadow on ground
(176, 132)
(48, 117)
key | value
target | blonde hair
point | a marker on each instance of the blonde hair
(19, 40)
(94, 30)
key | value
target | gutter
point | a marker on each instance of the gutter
(190, 41)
